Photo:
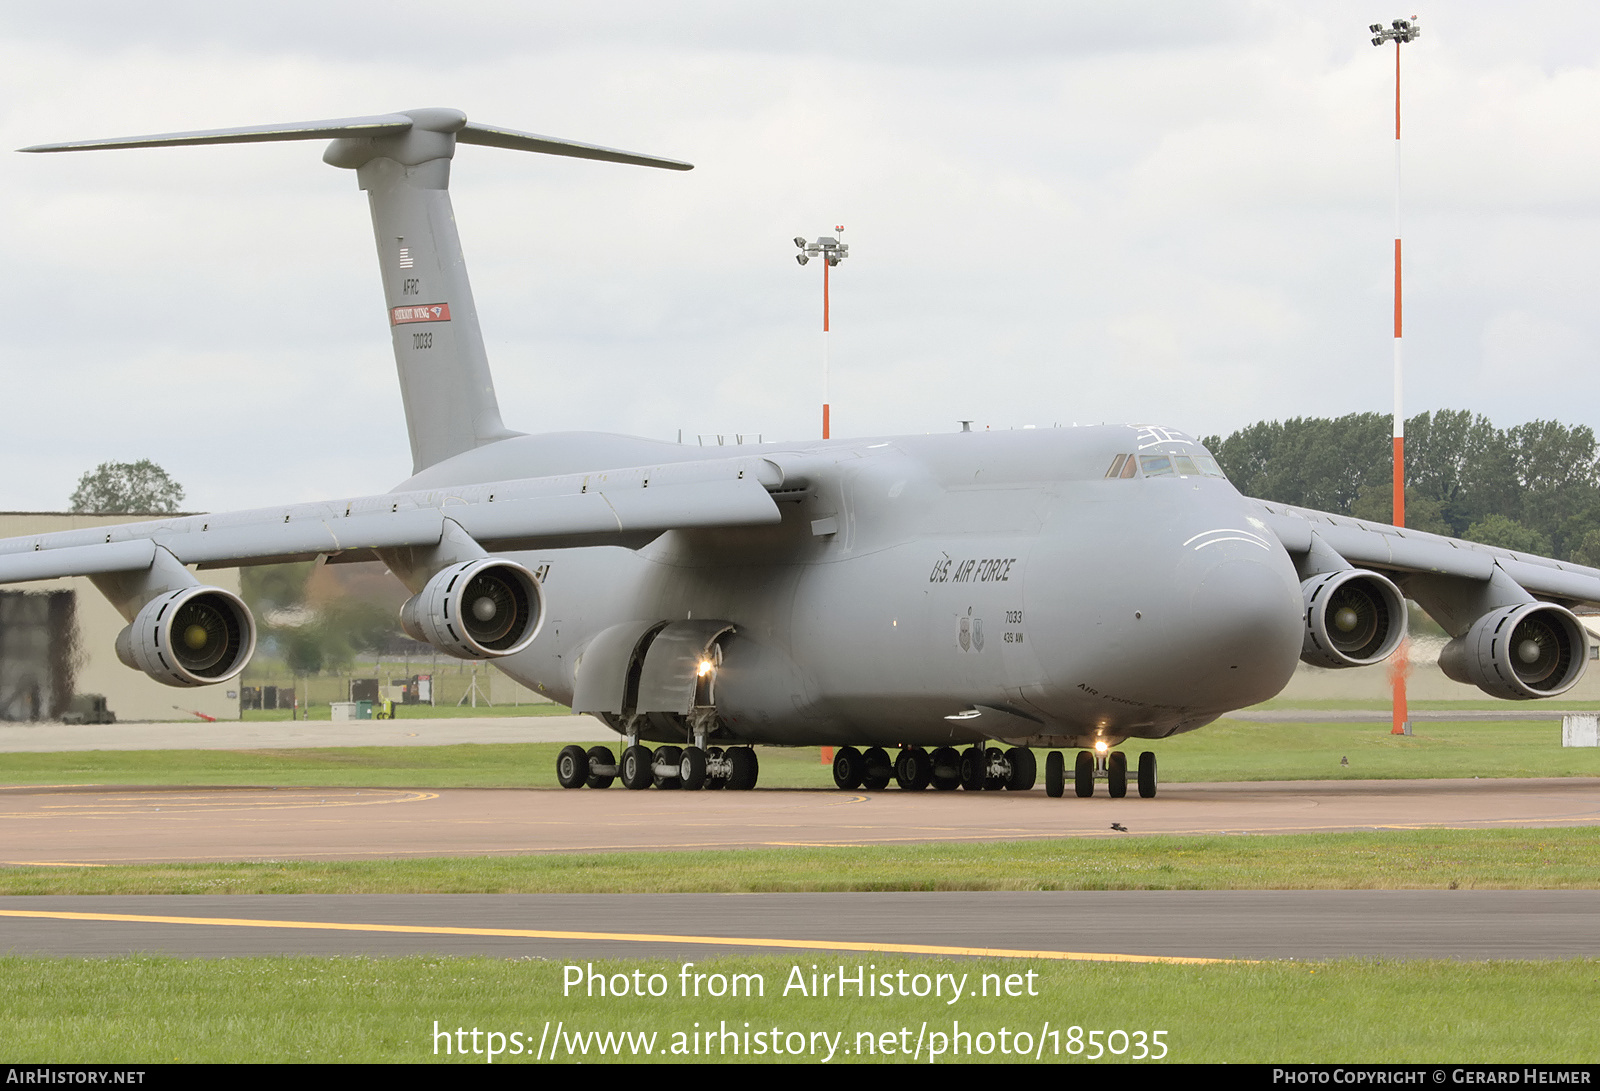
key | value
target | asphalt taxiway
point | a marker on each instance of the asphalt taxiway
(1047, 925)
(98, 825)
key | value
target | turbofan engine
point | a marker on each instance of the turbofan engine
(1535, 649)
(1353, 619)
(195, 636)
(480, 609)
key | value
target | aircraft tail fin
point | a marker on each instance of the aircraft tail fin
(402, 160)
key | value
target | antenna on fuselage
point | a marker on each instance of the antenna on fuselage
(402, 160)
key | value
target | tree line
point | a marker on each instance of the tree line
(1532, 487)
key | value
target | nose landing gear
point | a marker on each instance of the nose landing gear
(1089, 767)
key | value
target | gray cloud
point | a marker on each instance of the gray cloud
(1058, 212)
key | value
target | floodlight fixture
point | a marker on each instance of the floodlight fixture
(1398, 32)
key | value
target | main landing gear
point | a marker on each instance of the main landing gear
(944, 769)
(690, 768)
(1089, 767)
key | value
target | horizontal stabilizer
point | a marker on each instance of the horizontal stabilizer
(378, 125)
(494, 137)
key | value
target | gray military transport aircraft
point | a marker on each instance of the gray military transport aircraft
(934, 594)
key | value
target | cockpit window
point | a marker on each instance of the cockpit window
(1170, 464)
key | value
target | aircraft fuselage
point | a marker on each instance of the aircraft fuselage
(939, 589)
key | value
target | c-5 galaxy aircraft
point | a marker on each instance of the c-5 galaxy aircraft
(931, 595)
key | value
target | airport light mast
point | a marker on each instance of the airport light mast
(832, 251)
(1400, 31)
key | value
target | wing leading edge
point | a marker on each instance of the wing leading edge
(1407, 553)
(614, 507)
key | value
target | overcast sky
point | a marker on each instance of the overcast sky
(1177, 213)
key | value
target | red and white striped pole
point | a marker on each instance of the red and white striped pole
(826, 266)
(1399, 32)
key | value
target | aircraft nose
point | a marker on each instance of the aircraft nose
(1244, 628)
(1247, 619)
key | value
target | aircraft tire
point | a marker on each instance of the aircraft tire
(1083, 774)
(1024, 769)
(667, 755)
(946, 768)
(1055, 775)
(879, 769)
(912, 769)
(993, 782)
(1147, 775)
(572, 767)
(746, 769)
(692, 769)
(600, 755)
(849, 768)
(636, 763)
(1117, 774)
(714, 783)
(972, 769)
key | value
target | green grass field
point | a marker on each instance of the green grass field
(149, 1010)
(1382, 859)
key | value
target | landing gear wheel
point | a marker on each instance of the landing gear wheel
(972, 769)
(714, 783)
(1083, 774)
(946, 768)
(692, 769)
(1147, 775)
(880, 770)
(992, 781)
(912, 769)
(1055, 775)
(636, 763)
(670, 756)
(1024, 769)
(746, 769)
(572, 767)
(601, 755)
(849, 768)
(1117, 774)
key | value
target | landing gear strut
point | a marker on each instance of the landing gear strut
(976, 769)
(690, 768)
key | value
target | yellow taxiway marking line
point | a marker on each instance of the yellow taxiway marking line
(620, 937)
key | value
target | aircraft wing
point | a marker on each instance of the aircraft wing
(1403, 552)
(615, 507)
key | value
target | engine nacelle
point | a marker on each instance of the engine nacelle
(1353, 619)
(479, 609)
(195, 636)
(1534, 649)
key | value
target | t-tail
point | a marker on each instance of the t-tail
(402, 160)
